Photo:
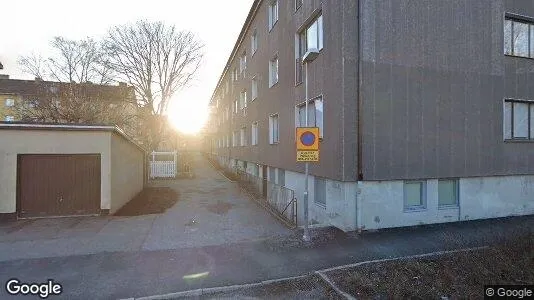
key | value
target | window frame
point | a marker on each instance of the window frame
(530, 121)
(254, 134)
(298, 4)
(423, 205)
(274, 59)
(243, 136)
(281, 176)
(456, 183)
(515, 18)
(254, 91)
(311, 101)
(301, 43)
(271, 21)
(254, 41)
(315, 194)
(243, 64)
(272, 140)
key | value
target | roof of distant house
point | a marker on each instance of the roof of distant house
(36, 88)
(68, 127)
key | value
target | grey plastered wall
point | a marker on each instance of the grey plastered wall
(333, 75)
(434, 80)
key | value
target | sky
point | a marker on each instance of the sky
(29, 25)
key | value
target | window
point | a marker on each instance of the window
(274, 136)
(235, 75)
(414, 195)
(234, 139)
(10, 102)
(256, 170)
(315, 115)
(254, 132)
(228, 140)
(272, 175)
(243, 136)
(310, 37)
(281, 177)
(319, 191)
(227, 113)
(448, 192)
(518, 120)
(298, 4)
(273, 71)
(273, 14)
(10, 118)
(243, 64)
(518, 37)
(254, 88)
(236, 106)
(254, 41)
(243, 100)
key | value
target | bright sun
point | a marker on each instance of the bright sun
(188, 117)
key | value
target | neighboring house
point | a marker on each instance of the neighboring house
(67, 170)
(425, 109)
(38, 100)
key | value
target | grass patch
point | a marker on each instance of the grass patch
(456, 275)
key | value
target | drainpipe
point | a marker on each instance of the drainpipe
(359, 114)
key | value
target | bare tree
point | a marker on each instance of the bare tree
(157, 60)
(71, 61)
(80, 103)
(70, 95)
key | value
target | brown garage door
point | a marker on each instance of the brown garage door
(58, 185)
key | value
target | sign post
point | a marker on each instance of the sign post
(307, 144)
(307, 150)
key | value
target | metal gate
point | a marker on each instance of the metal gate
(165, 168)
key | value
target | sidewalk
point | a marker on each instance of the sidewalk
(120, 275)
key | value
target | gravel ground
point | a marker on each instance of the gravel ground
(457, 275)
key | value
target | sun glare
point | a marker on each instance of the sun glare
(188, 117)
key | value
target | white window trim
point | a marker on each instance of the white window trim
(271, 62)
(457, 191)
(254, 42)
(509, 132)
(243, 136)
(271, 130)
(423, 205)
(270, 18)
(254, 80)
(311, 101)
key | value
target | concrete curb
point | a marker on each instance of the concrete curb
(228, 288)
(320, 273)
(218, 171)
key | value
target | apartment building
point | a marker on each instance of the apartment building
(33, 100)
(425, 108)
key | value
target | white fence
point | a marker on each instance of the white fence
(163, 168)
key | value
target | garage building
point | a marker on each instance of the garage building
(51, 170)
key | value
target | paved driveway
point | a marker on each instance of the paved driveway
(210, 211)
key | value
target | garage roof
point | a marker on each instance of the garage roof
(67, 127)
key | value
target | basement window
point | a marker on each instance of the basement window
(448, 193)
(414, 195)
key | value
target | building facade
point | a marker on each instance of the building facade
(59, 102)
(425, 109)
